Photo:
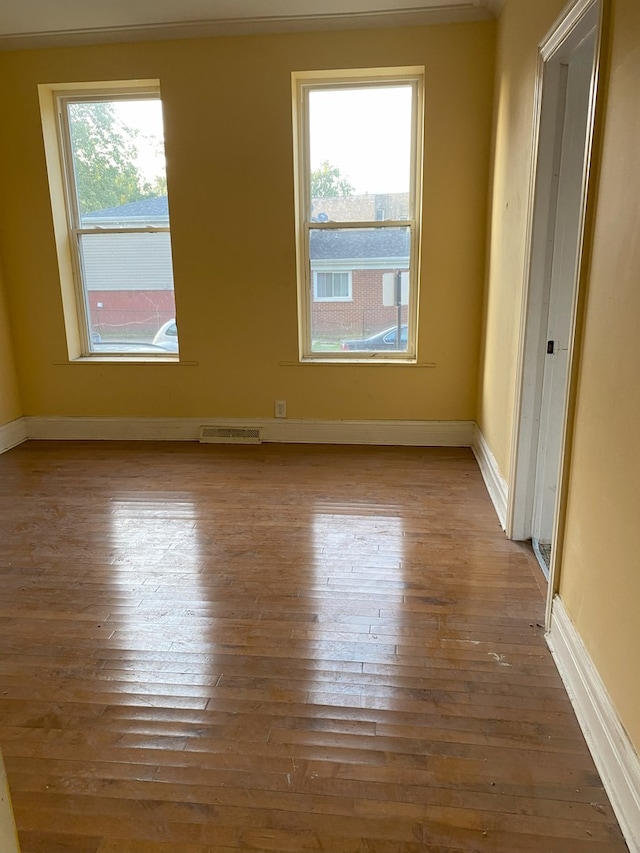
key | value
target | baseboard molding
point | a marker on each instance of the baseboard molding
(494, 481)
(8, 834)
(612, 751)
(285, 430)
(11, 434)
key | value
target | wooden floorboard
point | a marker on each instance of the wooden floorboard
(278, 648)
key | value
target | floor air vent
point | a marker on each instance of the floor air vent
(230, 435)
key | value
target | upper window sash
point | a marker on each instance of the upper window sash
(115, 217)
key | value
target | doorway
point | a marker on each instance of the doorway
(566, 87)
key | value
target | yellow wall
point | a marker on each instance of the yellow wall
(521, 27)
(10, 407)
(227, 108)
(600, 580)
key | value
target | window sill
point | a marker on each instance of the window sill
(125, 360)
(402, 362)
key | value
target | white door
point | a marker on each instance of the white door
(565, 232)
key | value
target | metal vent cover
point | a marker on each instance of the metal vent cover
(211, 434)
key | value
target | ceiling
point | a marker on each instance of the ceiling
(38, 23)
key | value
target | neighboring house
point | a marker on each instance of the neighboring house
(347, 272)
(129, 276)
(369, 207)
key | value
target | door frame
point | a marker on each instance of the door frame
(576, 23)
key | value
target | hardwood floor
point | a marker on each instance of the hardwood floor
(278, 648)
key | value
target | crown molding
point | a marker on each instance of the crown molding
(445, 13)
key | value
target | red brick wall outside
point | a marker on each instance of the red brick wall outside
(365, 315)
(130, 314)
(138, 314)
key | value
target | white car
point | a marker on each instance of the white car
(167, 336)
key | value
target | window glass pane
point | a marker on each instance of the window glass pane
(360, 153)
(324, 282)
(128, 282)
(341, 284)
(373, 268)
(118, 161)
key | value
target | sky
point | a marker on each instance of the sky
(366, 132)
(146, 117)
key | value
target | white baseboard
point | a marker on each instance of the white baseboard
(13, 433)
(613, 753)
(8, 834)
(494, 481)
(285, 430)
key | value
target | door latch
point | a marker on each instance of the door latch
(551, 347)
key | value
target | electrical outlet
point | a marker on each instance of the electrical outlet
(281, 408)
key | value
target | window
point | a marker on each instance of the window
(111, 144)
(358, 150)
(332, 286)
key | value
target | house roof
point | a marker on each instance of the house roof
(324, 243)
(147, 208)
(356, 243)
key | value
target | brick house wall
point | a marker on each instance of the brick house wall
(364, 315)
(130, 314)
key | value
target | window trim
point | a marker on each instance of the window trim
(302, 83)
(66, 215)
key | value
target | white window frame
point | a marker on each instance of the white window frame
(332, 272)
(303, 83)
(54, 100)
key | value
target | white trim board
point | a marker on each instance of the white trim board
(285, 430)
(493, 479)
(8, 834)
(552, 199)
(612, 750)
(13, 433)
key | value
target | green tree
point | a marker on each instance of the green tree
(104, 157)
(327, 182)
